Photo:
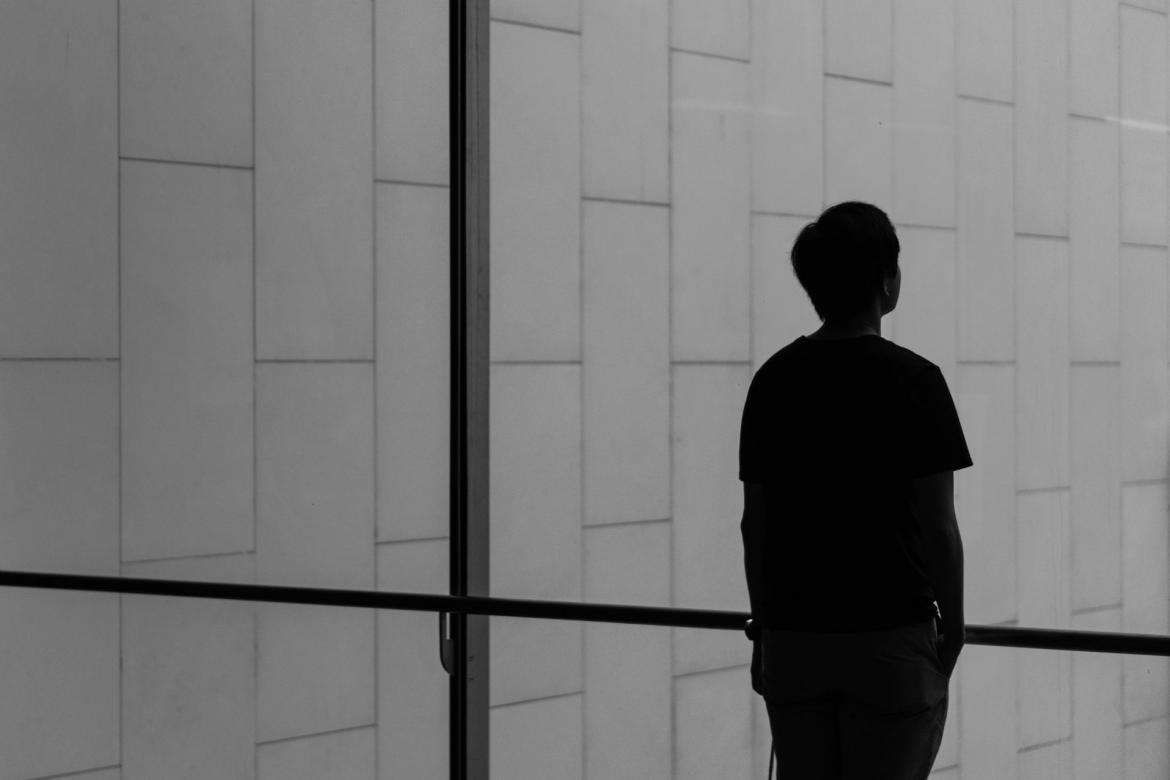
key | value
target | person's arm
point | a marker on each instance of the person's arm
(751, 527)
(942, 548)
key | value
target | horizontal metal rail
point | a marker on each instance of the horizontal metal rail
(1001, 636)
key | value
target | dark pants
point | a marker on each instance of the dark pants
(864, 704)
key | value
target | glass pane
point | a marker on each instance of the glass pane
(651, 166)
(223, 356)
(199, 688)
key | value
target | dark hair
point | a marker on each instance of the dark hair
(841, 258)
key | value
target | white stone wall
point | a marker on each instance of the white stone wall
(652, 162)
(223, 346)
(224, 356)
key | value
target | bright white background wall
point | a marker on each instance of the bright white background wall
(652, 162)
(223, 355)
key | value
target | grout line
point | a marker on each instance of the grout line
(697, 672)
(405, 183)
(983, 99)
(121, 503)
(713, 55)
(1101, 608)
(411, 541)
(255, 423)
(81, 359)
(671, 179)
(744, 362)
(316, 734)
(196, 557)
(622, 523)
(919, 226)
(581, 406)
(377, 618)
(1041, 490)
(862, 79)
(534, 699)
(626, 201)
(533, 25)
(1041, 745)
(766, 213)
(190, 162)
(1049, 236)
(535, 362)
(79, 773)
(298, 361)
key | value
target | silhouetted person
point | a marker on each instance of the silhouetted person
(847, 450)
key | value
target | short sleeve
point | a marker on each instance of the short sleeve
(752, 433)
(934, 438)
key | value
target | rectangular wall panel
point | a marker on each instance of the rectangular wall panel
(924, 113)
(987, 711)
(412, 129)
(535, 483)
(186, 80)
(708, 552)
(188, 676)
(413, 361)
(187, 482)
(338, 754)
(1144, 595)
(1143, 126)
(413, 706)
(541, 738)
(1143, 363)
(985, 494)
(858, 142)
(627, 685)
(59, 501)
(717, 27)
(1095, 497)
(983, 45)
(59, 197)
(314, 182)
(625, 93)
(924, 320)
(985, 267)
(556, 14)
(1042, 584)
(1041, 117)
(1147, 749)
(626, 362)
(1097, 738)
(1094, 234)
(315, 528)
(857, 39)
(712, 718)
(1042, 355)
(1048, 760)
(535, 183)
(1093, 59)
(781, 310)
(711, 204)
(787, 106)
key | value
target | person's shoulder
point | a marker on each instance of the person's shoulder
(906, 359)
(780, 357)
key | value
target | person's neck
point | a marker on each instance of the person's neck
(854, 326)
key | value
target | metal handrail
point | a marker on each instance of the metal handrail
(992, 635)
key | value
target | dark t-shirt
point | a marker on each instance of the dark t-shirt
(835, 430)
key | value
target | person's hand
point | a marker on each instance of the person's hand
(950, 644)
(758, 667)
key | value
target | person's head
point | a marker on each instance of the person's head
(847, 259)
